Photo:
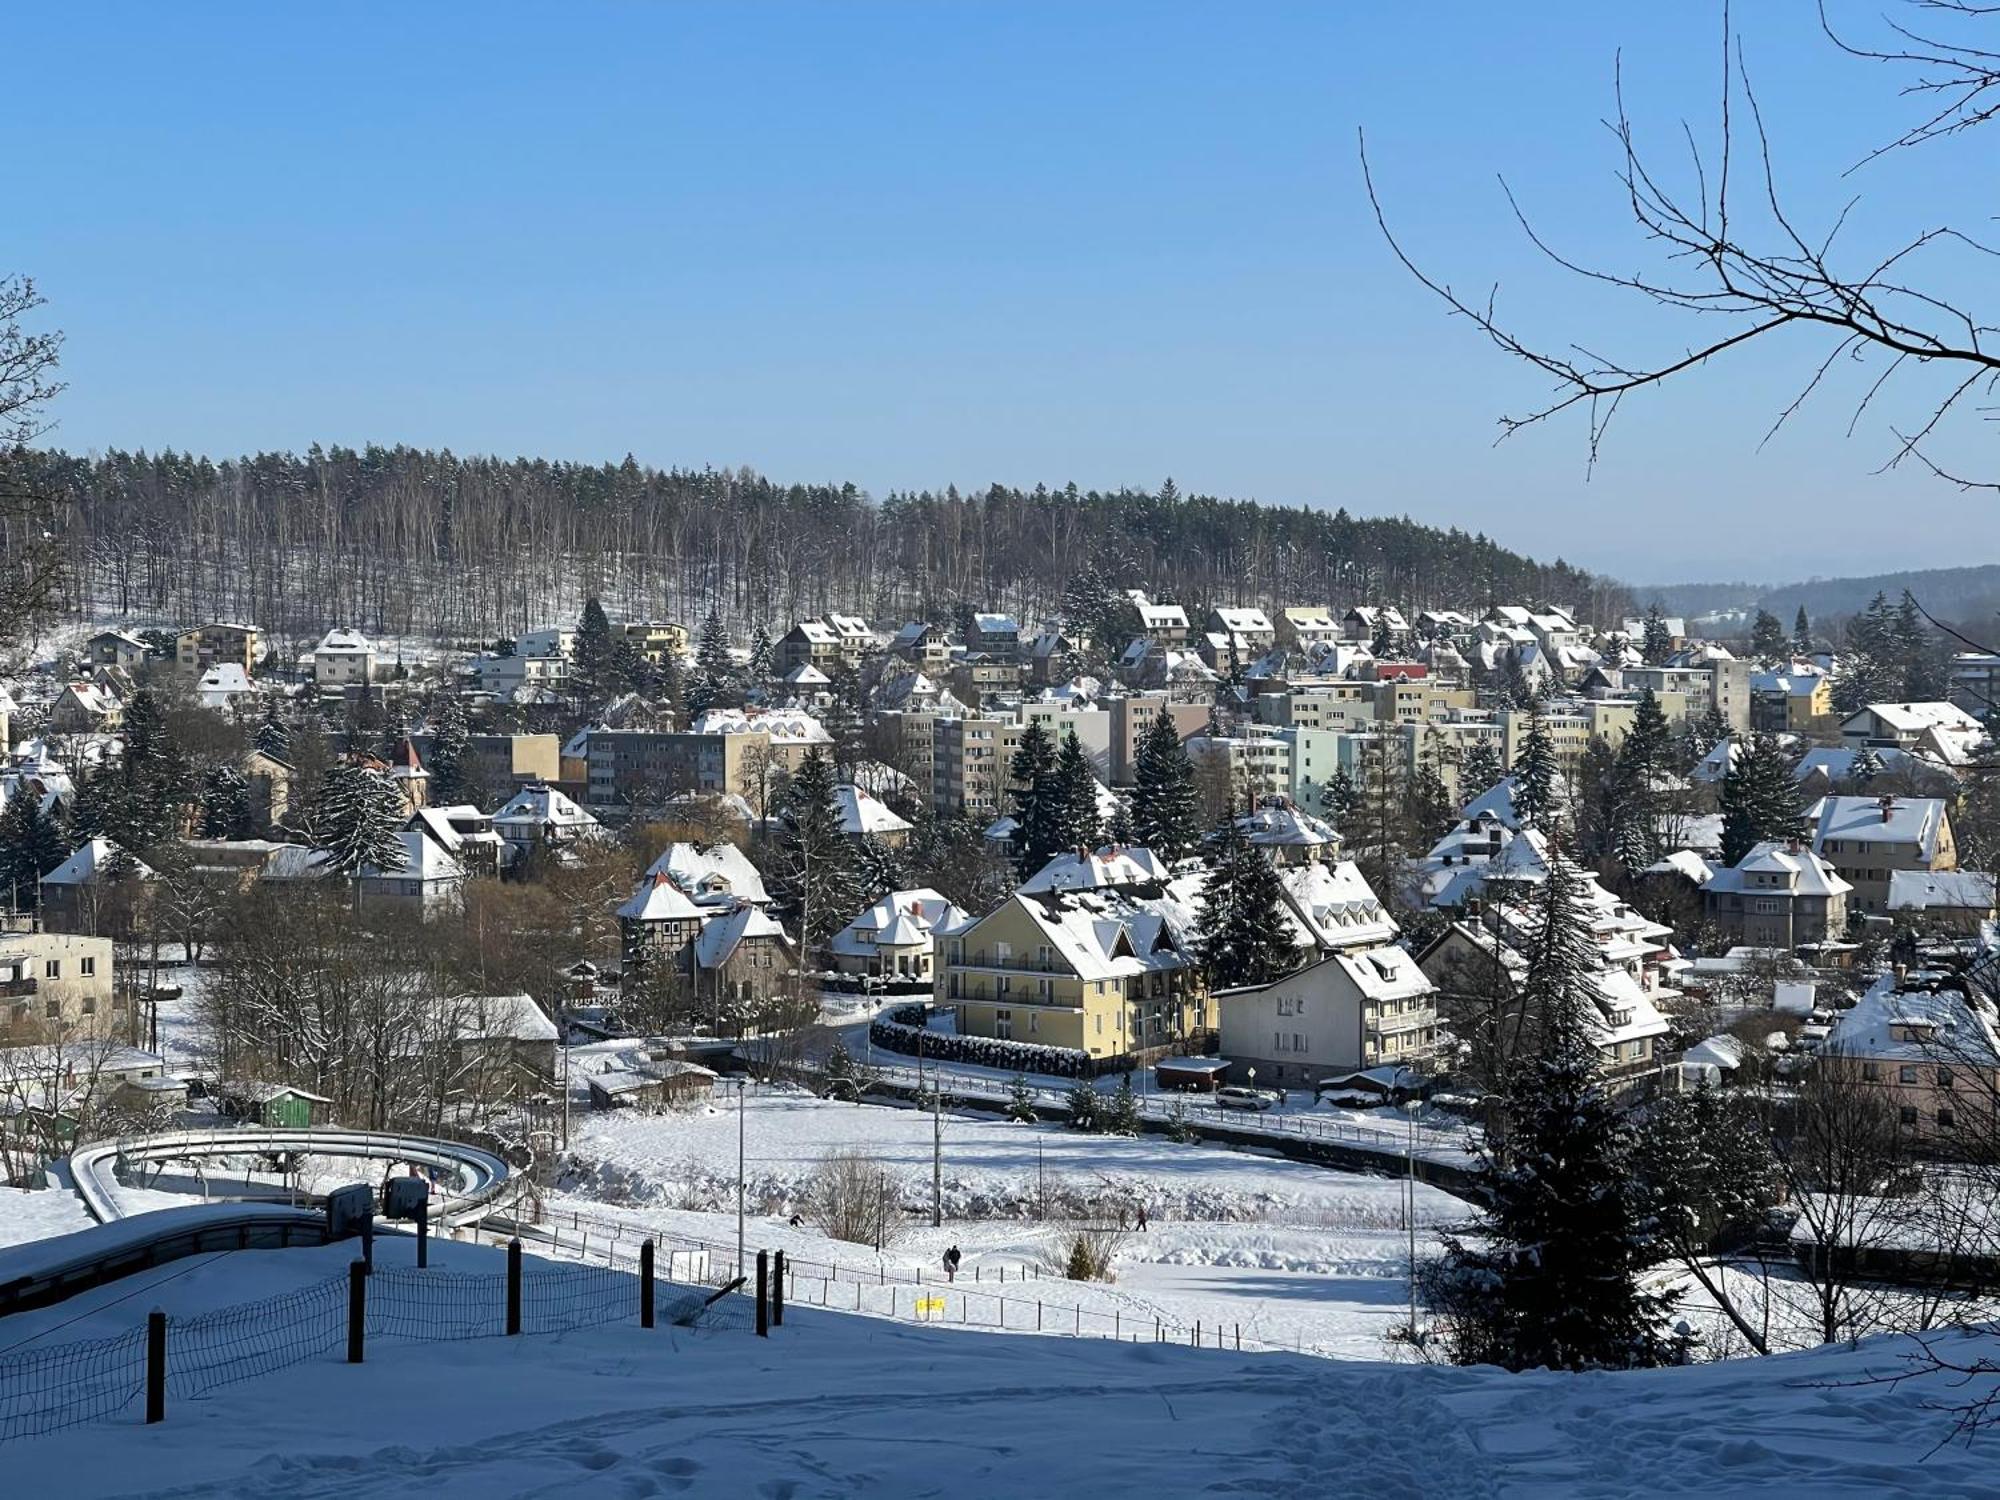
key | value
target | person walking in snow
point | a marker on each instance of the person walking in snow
(951, 1259)
(1142, 1218)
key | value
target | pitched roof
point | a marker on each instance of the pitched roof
(716, 873)
(1916, 821)
(722, 935)
(1941, 890)
(1110, 867)
(862, 813)
(658, 899)
(90, 863)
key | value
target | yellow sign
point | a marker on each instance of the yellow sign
(928, 1305)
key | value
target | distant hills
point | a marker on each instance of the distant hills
(1965, 596)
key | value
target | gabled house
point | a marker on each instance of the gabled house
(993, 634)
(1780, 895)
(428, 883)
(75, 892)
(343, 658)
(714, 875)
(1957, 903)
(863, 815)
(1362, 621)
(86, 708)
(739, 962)
(922, 644)
(657, 922)
(1346, 1012)
(1937, 732)
(898, 937)
(463, 832)
(539, 816)
(115, 648)
(1868, 839)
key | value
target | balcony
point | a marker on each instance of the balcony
(992, 962)
(15, 989)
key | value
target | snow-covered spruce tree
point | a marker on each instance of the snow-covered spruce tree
(1768, 643)
(590, 654)
(1760, 798)
(1342, 799)
(273, 738)
(356, 819)
(1655, 643)
(818, 890)
(763, 658)
(878, 868)
(1021, 1100)
(1038, 811)
(31, 845)
(1165, 809)
(1552, 1281)
(1802, 639)
(1480, 770)
(225, 803)
(1086, 1105)
(1536, 773)
(1078, 824)
(1242, 935)
(1121, 1113)
(712, 662)
(449, 738)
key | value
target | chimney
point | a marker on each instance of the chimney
(1888, 805)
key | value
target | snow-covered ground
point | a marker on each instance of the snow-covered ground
(41, 1214)
(1284, 1252)
(832, 1405)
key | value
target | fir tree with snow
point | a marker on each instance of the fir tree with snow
(590, 654)
(763, 658)
(1656, 643)
(273, 738)
(879, 868)
(356, 819)
(1760, 798)
(225, 803)
(1121, 1112)
(1802, 640)
(714, 667)
(1242, 935)
(1342, 799)
(817, 888)
(1552, 1278)
(1768, 643)
(1021, 1100)
(1536, 773)
(1166, 810)
(1077, 822)
(1479, 770)
(1038, 806)
(31, 845)
(1086, 1105)
(450, 782)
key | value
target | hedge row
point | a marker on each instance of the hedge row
(898, 1030)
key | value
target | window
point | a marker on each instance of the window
(1907, 1073)
(52, 969)
(1100, 1026)
(1870, 1072)
(90, 1005)
(1944, 1078)
(52, 1010)
(1946, 1119)
(1034, 1023)
(88, 966)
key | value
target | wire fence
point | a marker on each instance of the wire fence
(46, 1390)
(68, 1385)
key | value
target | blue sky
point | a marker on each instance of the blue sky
(912, 245)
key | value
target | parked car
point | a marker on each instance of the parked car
(1237, 1097)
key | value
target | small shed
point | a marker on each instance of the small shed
(277, 1106)
(655, 1087)
(1191, 1075)
(156, 1092)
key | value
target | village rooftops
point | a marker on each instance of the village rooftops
(712, 875)
(785, 726)
(1915, 822)
(1108, 868)
(863, 815)
(1914, 1021)
(1800, 871)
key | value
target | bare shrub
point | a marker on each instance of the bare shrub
(1084, 1252)
(851, 1198)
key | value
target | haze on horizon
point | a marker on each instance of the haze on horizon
(914, 246)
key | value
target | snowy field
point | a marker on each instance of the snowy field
(1287, 1253)
(833, 1405)
(39, 1215)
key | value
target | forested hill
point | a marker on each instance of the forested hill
(402, 541)
(1969, 594)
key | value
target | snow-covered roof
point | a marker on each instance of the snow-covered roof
(1935, 890)
(423, 859)
(537, 806)
(785, 726)
(90, 862)
(996, 624)
(658, 899)
(1685, 863)
(1836, 762)
(1801, 871)
(863, 814)
(1331, 905)
(1109, 934)
(1385, 973)
(805, 674)
(93, 697)
(1915, 821)
(713, 874)
(1110, 867)
(341, 641)
(723, 934)
(1243, 621)
(225, 678)
(1917, 1023)
(514, 1018)
(1283, 823)
(1162, 616)
(901, 919)
(1914, 718)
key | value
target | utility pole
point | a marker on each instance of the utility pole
(937, 1132)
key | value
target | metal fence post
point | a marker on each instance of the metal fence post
(646, 1284)
(763, 1294)
(514, 1286)
(357, 1309)
(156, 1366)
(778, 1292)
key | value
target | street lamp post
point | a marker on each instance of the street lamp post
(1410, 1211)
(739, 1176)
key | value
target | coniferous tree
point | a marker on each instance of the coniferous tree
(629, 671)
(1643, 803)
(31, 845)
(1767, 639)
(1553, 1280)
(1656, 643)
(879, 868)
(1342, 799)
(1076, 796)
(356, 819)
(1760, 798)
(1121, 1113)
(712, 661)
(273, 738)
(225, 803)
(450, 782)
(1427, 801)
(1243, 935)
(763, 658)
(1480, 770)
(1536, 774)
(1802, 641)
(1021, 1100)
(1038, 810)
(818, 889)
(1165, 808)
(1600, 795)
(672, 685)
(1869, 670)
(1922, 657)
(590, 654)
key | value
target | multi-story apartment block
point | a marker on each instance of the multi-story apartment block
(206, 646)
(55, 986)
(1867, 839)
